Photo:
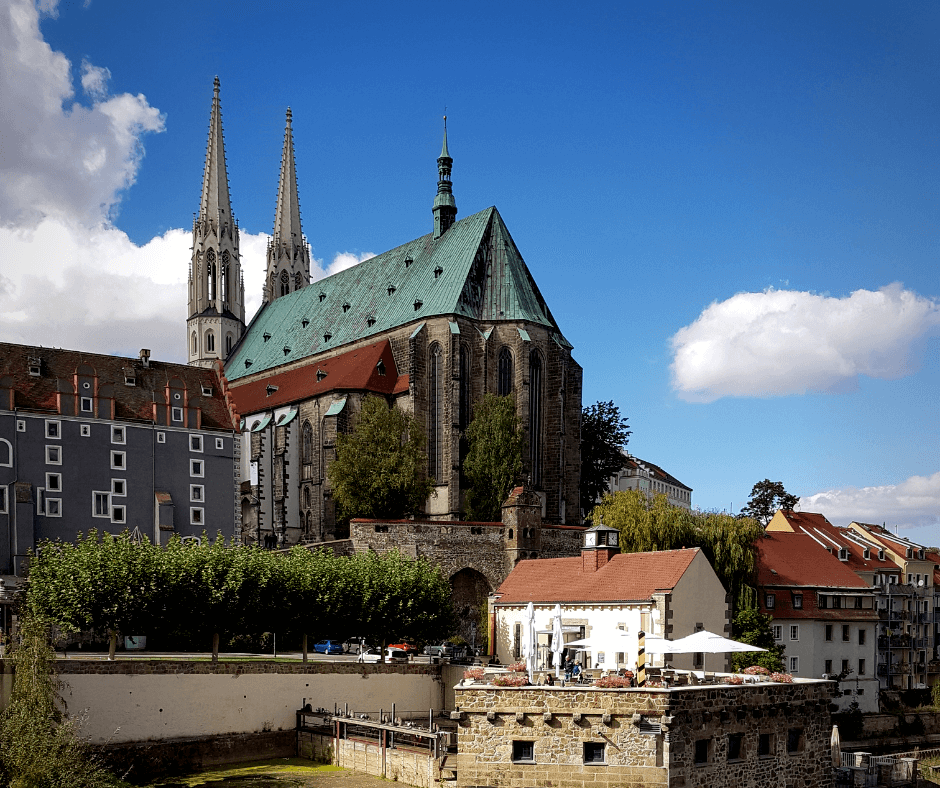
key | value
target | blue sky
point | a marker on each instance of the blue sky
(731, 208)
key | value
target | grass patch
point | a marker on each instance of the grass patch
(280, 767)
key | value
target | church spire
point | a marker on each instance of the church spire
(216, 290)
(288, 254)
(445, 207)
(215, 206)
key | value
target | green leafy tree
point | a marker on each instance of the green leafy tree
(728, 542)
(494, 460)
(604, 434)
(379, 467)
(755, 628)
(40, 745)
(766, 498)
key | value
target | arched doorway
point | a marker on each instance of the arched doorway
(469, 591)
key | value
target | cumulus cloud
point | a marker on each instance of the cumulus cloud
(341, 262)
(789, 342)
(60, 158)
(912, 504)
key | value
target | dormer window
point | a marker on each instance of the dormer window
(304, 323)
(418, 304)
(320, 375)
(35, 366)
(438, 271)
(920, 553)
(843, 554)
(346, 307)
(286, 349)
(797, 601)
(408, 261)
(391, 289)
(265, 336)
(370, 322)
(270, 389)
(881, 555)
(910, 552)
(327, 337)
(247, 363)
(322, 295)
(207, 391)
(380, 368)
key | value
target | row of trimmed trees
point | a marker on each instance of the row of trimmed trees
(108, 584)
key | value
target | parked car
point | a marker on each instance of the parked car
(328, 647)
(392, 655)
(406, 647)
(355, 646)
(445, 650)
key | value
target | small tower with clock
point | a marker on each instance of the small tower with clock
(601, 543)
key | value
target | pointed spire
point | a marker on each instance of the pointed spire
(215, 205)
(287, 215)
(445, 207)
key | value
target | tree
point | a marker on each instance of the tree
(494, 460)
(728, 542)
(379, 468)
(766, 498)
(754, 628)
(604, 433)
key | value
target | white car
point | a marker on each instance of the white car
(392, 655)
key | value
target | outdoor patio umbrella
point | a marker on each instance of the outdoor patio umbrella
(703, 642)
(529, 647)
(610, 641)
(836, 747)
(558, 640)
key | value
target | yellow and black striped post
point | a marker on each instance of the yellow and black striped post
(641, 659)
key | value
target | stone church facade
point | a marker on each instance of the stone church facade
(431, 326)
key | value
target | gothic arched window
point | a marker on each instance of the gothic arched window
(195, 344)
(226, 296)
(210, 275)
(435, 414)
(306, 444)
(464, 386)
(210, 341)
(298, 281)
(285, 283)
(535, 417)
(306, 497)
(504, 384)
(228, 344)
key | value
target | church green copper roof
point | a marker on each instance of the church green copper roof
(473, 270)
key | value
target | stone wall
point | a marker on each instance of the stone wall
(649, 737)
(409, 767)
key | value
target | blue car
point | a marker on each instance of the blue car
(328, 647)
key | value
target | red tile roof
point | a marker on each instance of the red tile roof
(59, 370)
(786, 559)
(818, 526)
(355, 370)
(629, 577)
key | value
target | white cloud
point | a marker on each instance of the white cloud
(60, 158)
(912, 504)
(789, 342)
(341, 262)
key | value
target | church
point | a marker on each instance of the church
(431, 326)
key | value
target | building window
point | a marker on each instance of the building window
(698, 660)
(735, 746)
(21, 425)
(794, 664)
(228, 344)
(118, 514)
(54, 482)
(118, 487)
(306, 444)
(100, 504)
(219, 444)
(197, 492)
(794, 632)
(861, 667)
(161, 437)
(196, 515)
(846, 635)
(535, 417)
(778, 632)
(517, 632)
(53, 455)
(117, 435)
(176, 414)
(797, 601)
(794, 740)
(196, 468)
(210, 342)
(828, 667)
(504, 384)
(53, 507)
(828, 631)
(823, 602)
(85, 430)
(195, 442)
(861, 635)
(464, 408)
(594, 752)
(285, 283)
(87, 405)
(845, 666)
(765, 745)
(435, 415)
(4, 505)
(703, 750)
(118, 460)
(770, 601)
(53, 429)
(195, 345)
(523, 752)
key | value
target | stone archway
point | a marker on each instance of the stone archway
(469, 592)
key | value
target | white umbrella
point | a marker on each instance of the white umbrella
(529, 650)
(610, 641)
(558, 640)
(703, 642)
(836, 747)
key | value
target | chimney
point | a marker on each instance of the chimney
(145, 358)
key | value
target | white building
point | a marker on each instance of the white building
(670, 593)
(638, 474)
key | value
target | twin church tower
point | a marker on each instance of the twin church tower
(216, 285)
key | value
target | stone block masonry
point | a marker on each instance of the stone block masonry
(715, 736)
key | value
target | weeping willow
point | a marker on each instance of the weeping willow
(728, 542)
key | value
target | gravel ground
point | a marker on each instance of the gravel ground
(292, 773)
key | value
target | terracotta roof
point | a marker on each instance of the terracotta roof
(59, 370)
(795, 559)
(629, 577)
(355, 370)
(817, 526)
